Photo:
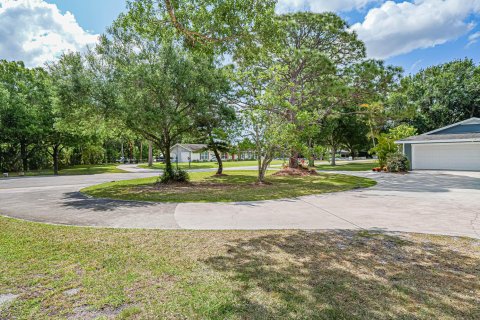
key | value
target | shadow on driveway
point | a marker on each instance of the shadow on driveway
(77, 200)
(426, 182)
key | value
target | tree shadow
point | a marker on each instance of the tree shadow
(77, 200)
(426, 182)
(368, 166)
(350, 275)
(231, 178)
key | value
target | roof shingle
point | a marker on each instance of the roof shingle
(443, 137)
(194, 147)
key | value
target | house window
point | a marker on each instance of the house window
(204, 156)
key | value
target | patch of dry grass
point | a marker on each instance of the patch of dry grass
(140, 274)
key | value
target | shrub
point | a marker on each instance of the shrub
(386, 142)
(397, 162)
(93, 155)
(176, 175)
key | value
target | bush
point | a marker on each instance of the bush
(176, 175)
(397, 162)
(386, 142)
(93, 155)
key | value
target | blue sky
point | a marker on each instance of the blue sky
(92, 15)
(411, 33)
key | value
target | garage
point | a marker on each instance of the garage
(446, 156)
(454, 147)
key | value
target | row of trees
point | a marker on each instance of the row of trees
(37, 130)
(217, 73)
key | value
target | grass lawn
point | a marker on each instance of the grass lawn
(236, 186)
(87, 273)
(209, 165)
(349, 166)
(76, 170)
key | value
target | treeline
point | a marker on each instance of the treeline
(37, 131)
(297, 84)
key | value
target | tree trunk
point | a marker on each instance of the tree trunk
(372, 133)
(55, 154)
(293, 161)
(24, 156)
(141, 152)
(258, 149)
(259, 161)
(261, 171)
(261, 176)
(219, 161)
(311, 158)
(168, 161)
(263, 168)
(150, 154)
(334, 152)
(130, 148)
(217, 154)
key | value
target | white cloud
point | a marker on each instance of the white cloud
(36, 32)
(398, 28)
(321, 5)
(473, 38)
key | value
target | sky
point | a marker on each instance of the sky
(413, 34)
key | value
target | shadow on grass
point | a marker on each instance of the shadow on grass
(365, 166)
(231, 178)
(349, 275)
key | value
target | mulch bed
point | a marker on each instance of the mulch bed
(299, 172)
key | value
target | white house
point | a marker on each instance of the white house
(185, 152)
(454, 147)
(191, 152)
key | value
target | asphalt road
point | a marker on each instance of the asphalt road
(427, 202)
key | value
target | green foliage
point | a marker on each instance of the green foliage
(24, 95)
(314, 50)
(162, 89)
(401, 132)
(442, 95)
(92, 154)
(386, 142)
(397, 162)
(373, 81)
(174, 175)
(203, 25)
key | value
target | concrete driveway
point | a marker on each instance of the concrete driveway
(427, 202)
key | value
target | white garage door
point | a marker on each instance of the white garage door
(446, 156)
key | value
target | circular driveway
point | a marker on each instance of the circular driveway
(427, 202)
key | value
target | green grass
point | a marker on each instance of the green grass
(349, 166)
(210, 165)
(150, 274)
(76, 170)
(236, 186)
